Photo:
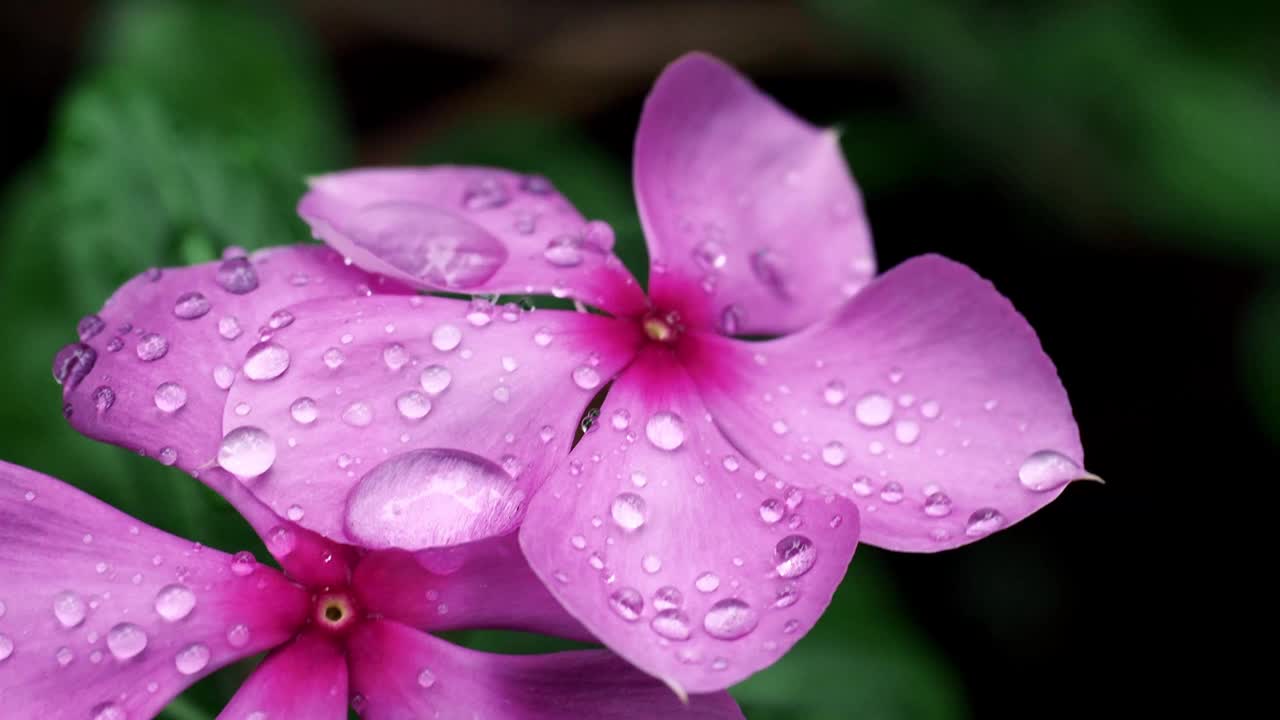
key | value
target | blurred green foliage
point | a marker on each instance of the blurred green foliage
(1151, 115)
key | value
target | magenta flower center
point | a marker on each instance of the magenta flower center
(662, 326)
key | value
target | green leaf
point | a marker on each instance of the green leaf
(862, 660)
(593, 180)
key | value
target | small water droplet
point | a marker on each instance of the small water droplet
(69, 608)
(671, 624)
(873, 409)
(6, 647)
(628, 511)
(651, 563)
(730, 463)
(834, 454)
(502, 394)
(435, 379)
(266, 361)
(151, 347)
(167, 456)
(446, 337)
(906, 431)
(192, 659)
(126, 640)
(485, 194)
(564, 251)
(229, 327)
(247, 452)
(667, 598)
(358, 414)
(891, 492)
(413, 405)
(237, 276)
(103, 398)
(108, 711)
(174, 602)
(834, 393)
(938, 504)
(794, 556)
(665, 430)
(1048, 470)
(426, 678)
(543, 337)
(930, 409)
(707, 582)
(238, 635)
(73, 363)
(730, 619)
(627, 603)
(983, 522)
(586, 377)
(786, 596)
(303, 411)
(546, 434)
(190, 306)
(772, 511)
(170, 397)
(89, 327)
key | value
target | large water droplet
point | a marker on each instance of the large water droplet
(628, 511)
(126, 640)
(229, 327)
(1048, 470)
(237, 276)
(586, 377)
(73, 363)
(906, 431)
(247, 452)
(69, 608)
(730, 619)
(171, 397)
(192, 659)
(303, 411)
(433, 497)
(266, 361)
(413, 405)
(175, 602)
(627, 603)
(873, 409)
(983, 522)
(794, 555)
(431, 245)
(671, 624)
(772, 510)
(435, 379)
(707, 582)
(665, 430)
(192, 305)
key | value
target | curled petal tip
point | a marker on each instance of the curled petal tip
(1090, 477)
(678, 689)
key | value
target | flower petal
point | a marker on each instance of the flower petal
(470, 229)
(305, 679)
(420, 422)
(674, 550)
(399, 673)
(744, 205)
(926, 399)
(169, 343)
(98, 610)
(484, 584)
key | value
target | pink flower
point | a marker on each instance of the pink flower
(104, 618)
(700, 529)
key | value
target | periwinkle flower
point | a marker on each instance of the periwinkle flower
(105, 618)
(701, 526)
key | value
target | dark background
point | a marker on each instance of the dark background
(1114, 170)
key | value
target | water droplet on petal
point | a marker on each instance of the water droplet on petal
(930, 409)
(730, 619)
(426, 678)
(126, 640)
(707, 582)
(665, 430)
(543, 337)
(280, 319)
(671, 624)
(446, 337)
(170, 397)
(767, 267)
(431, 498)
(906, 431)
(190, 306)
(834, 454)
(651, 563)
(873, 409)
(358, 414)
(108, 711)
(303, 411)
(794, 556)
(238, 635)
(891, 492)
(69, 608)
(834, 393)
(772, 510)
(983, 522)
(247, 452)
(237, 276)
(938, 504)
(485, 194)
(89, 327)
(6, 647)
(295, 513)
(266, 361)
(73, 363)
(413, 405)
(628, 511)
(281, 541)
(564, 251)
(787, 596)
(103, 398)
(243, 563)
(435, 379)
(1048, 470)
(229, 328)
(586, 377)
(667, 598)
(192, 659)
(627, 603)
